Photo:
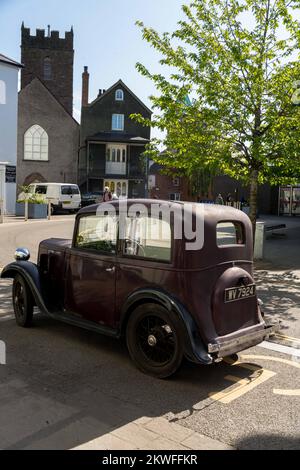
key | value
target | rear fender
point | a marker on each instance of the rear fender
(195, 350)
(29, 271)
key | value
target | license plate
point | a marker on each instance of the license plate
(238, 293)
(67, 202)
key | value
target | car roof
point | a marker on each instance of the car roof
(210, 211)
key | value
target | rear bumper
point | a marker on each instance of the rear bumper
(245, 341)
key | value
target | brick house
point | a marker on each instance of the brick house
(166, 187)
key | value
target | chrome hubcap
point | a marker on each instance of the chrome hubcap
(152, 341)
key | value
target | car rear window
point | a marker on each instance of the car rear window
(230, 233)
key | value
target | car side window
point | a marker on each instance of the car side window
(148, 237)
(97, 233)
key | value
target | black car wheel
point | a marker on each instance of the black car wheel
(22, 302)
(154, 340)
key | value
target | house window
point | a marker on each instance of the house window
(119, 95)
(117, 122)
(2, 92)
(47, 69)
(174, 197)
(176, 181)
(36, 144)
(116, 159)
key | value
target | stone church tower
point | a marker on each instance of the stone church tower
(49, 58)
(48, 135)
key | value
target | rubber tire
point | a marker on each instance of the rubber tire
(23, 320)
(161, 372)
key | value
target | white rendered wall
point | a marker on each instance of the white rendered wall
(8, 127)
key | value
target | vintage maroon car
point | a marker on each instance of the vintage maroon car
(169, 301)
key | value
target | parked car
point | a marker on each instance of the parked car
(88, 199)
(168, 301)
(64, 196)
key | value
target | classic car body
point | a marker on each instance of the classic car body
(169, 301)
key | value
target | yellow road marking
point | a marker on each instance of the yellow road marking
(278, 391)
(288, 338)
(244, 385)
(247, 384)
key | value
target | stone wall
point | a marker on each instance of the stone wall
(38, 106)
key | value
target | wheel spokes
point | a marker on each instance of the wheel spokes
(156, 339)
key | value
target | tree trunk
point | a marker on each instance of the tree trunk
(253, 200)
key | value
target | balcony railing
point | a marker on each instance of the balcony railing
(115, 168)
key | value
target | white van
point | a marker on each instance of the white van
(63, 195)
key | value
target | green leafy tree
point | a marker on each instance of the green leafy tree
(238, 60)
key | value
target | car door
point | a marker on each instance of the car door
(91, 269)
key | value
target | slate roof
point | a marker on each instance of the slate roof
(6, 60)
(122, 84)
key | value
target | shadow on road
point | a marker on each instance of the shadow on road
(280, 293)
(64, 386)
(268, 441)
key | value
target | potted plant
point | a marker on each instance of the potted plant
(37, 205)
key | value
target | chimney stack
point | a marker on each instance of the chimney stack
(85, 87)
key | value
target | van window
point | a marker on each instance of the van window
(97, 233)
(75, 189)
(69, 190)
(41, 190)
(148, 237)
(66, 190)
(230, 233)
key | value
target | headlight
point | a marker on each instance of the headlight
(22, 254)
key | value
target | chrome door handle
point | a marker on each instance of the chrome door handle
(110, 270)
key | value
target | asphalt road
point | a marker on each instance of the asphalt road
(29, 234)
(62, 386)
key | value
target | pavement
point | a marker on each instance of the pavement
(282, 247)
(66, 388)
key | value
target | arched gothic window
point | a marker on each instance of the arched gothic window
(36, 144)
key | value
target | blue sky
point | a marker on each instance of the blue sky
(105, 36)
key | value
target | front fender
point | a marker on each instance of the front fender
(29, 271)
(195, 350)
